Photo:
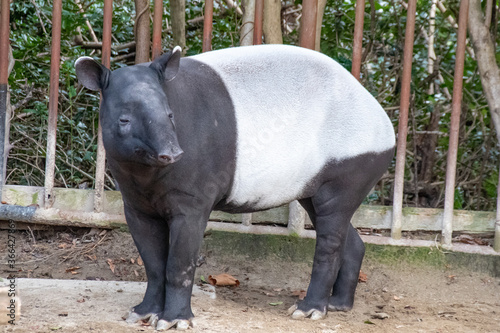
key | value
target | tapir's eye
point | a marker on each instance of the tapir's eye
(171, 117)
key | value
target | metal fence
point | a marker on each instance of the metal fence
(100, 208)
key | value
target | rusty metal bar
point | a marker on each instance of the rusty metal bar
(397, 209)
(451, 162)
(4, 78)
(258, 21)
(207, 25)
(55, 59)
(307, 36)
(157, 24)
(101, 153)
(357, 48)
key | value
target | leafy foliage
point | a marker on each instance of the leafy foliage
(477, 173)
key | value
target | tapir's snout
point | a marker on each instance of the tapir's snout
(170, 156)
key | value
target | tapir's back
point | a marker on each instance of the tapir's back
(296, 110)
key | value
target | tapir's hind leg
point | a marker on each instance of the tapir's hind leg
(330, 213)
(344, 287)
(339, 249)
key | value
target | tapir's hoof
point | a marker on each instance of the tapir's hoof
(131, 317)
(179, 324)
(343, 308)
(299, 314)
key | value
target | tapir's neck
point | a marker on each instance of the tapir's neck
(140, 175)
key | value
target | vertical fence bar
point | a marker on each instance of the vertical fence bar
(101, 153)
(4, 80)
(397, 212)
(207, 25)
(257, 24)
(55, 58)
(357, 48)
(307, 36)
(451, 161)
(157, 24)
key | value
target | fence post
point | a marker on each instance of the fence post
(257, 24)
(357, 47)
(55, 59)
(4, 80)
(157, 24)
(101, 152)
(397, 212)
(207, 25)
(451, 161)
(296, 218)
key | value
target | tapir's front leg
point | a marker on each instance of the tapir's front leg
(151, 236)
(186, 235)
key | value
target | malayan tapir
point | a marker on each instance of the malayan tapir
(239, 130)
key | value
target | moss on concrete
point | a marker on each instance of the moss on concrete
(297, 249)
(259, 246)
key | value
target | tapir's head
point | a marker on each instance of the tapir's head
(138, 125)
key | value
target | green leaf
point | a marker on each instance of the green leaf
(275, 303)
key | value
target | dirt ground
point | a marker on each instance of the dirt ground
(410, 298)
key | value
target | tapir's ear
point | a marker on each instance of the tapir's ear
(168, 64)
(92, 74)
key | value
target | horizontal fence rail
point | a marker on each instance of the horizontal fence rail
(99, 208)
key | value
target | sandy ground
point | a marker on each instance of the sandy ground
(410, 298)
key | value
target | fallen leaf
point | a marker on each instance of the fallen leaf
(277, 289)
(275, 303)
(369, 322)
(300, 293)
(132, 260)
(362, 277)
(4, 202)
(55, 328)
(72, 269)
(74, 273)
(202, 278)
(81, 300)
(140, 262)
(223, 280)
(396, 298)
(135, 272)
(62, 246)
(111, 265)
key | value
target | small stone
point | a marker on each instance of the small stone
(380, 315)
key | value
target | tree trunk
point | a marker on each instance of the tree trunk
(485, 56)
(272, 22)
(142, 31)
(246, 31)
(178, 17)
(319, 23)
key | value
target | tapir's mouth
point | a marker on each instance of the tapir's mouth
(159, 159)
(166, 159)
